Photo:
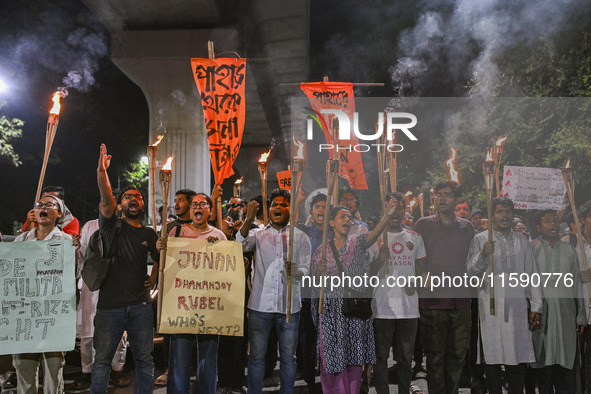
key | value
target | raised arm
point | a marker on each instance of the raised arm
(108, 204)
(381, 226)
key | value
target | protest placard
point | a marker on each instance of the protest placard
(37, 297)
(203, 288)
(534, 187)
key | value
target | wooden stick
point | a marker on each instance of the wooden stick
(165, 186)
(296, 174)
(569, 182)
(332, 170)
(50, 132)
(151, 151)
(218, 202)
(490, 239)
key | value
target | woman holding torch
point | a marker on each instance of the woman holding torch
(345, 343)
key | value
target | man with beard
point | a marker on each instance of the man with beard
(268, 298)
(445, 311)
(511, 323)
(124, 300)
(182, 205)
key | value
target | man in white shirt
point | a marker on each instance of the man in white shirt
(268, 298)
(395, 308)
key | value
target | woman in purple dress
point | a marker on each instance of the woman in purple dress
(344, 343)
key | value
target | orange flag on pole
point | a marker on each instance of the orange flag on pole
(284, 179)
(338, 95)
(221, 85)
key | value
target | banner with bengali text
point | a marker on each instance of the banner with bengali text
(221, 84)
(339, 96)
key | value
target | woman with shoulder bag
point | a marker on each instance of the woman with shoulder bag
(345, 329)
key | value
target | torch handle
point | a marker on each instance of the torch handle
(490, 257)
(569, 183)
(165, 186)
(332, 171)
(50, 132)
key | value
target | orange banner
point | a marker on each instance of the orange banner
(284, 179)
(338, 95)
(221, 84)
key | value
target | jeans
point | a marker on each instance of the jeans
(307, 344)
(179, 364)
(259, 325)
(109, 325)
(515, 377)
(403, 331)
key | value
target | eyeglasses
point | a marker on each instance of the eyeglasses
(47, 205)
(202, 205)
(445, 195)
(130, 196)
(236, 205)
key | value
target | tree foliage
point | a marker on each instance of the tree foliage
(10, 129)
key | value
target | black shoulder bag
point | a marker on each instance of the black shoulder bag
(96, 264)
(353, 306)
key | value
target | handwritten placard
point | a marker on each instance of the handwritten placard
(203, 288)
(534, 187)
(221, 85)
(37, 297)
(284, 179)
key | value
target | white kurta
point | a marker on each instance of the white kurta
(506, 338)
(564, 308)
(88, 299)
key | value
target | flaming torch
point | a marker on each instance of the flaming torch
(151, 153)
(453, 174)
(407, 199)
(165, 177)
(498, 157)
(52, 121)
(237, 188)
(488, 169)
(263, 173)
(568, 175)
(297, 166)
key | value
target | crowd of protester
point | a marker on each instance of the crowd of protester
(513, 338)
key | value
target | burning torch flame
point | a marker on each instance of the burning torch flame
(453, 174)
(238, 181)
(300, 151)
(568, 163)
(408, 194)
(489, 155)
(158, 140)
(412, 203)
(168, 165)
(264, 157)
(500, 141)
(56, 103)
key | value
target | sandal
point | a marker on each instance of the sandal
(120, 380)
(82, 382)
(161, 380)
(416, 389)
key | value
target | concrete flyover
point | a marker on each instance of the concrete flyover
(152, 42)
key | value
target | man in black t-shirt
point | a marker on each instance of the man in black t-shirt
(124, 301)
